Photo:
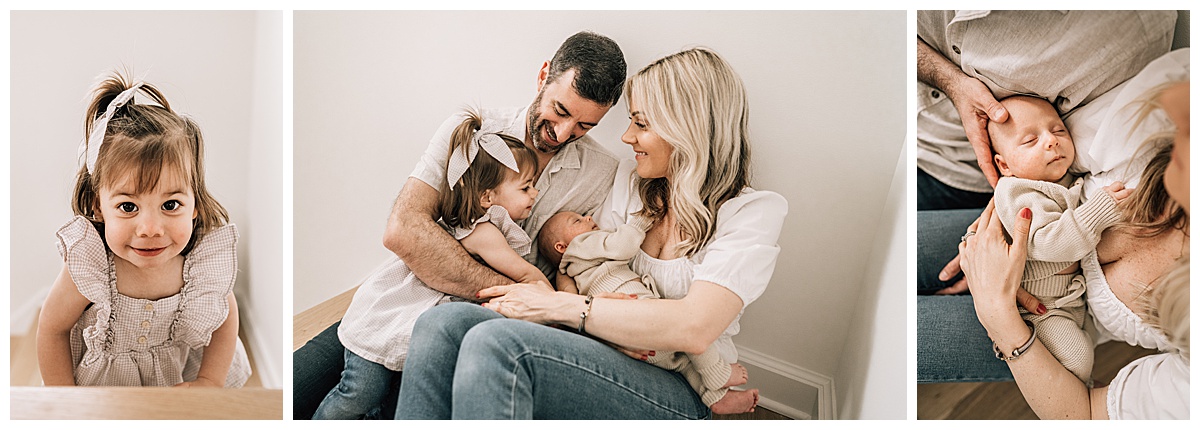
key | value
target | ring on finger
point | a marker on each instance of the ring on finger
(965, 236)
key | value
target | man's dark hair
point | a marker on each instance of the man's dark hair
(599, 66)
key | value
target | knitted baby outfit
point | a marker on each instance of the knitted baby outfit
(599, 262)
(1062, 232)
(121, 340)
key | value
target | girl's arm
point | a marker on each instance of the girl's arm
(218, 355)
(489, 243)
(994, 270)
(60, 312)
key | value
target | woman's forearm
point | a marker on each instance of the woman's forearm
(1052, 391)
(689, 324)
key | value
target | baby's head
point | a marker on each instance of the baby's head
(558, 232)
(142, 183)
(487, 182)
(1033, 144)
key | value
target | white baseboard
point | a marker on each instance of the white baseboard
(826, 398)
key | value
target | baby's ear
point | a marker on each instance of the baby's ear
(560, 247)
(1001, 165)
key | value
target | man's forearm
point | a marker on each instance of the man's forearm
(433, 255)
(934, 69)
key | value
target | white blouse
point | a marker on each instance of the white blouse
(740, 257)
(1158, 386)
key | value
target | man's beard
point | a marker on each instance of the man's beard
(535, 128)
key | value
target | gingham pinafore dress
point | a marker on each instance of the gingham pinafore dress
(121, 340)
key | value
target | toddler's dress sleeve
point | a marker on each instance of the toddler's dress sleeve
(209, 271)
(87, 262)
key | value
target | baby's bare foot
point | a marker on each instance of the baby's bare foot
(736, 402)
(737, 376)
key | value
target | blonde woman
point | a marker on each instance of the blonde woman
(1138, 292)
(712, 249)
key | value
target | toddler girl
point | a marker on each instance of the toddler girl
(489, 179)
(145, 296)
(1033, 152)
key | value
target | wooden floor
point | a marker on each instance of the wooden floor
(1003, 400)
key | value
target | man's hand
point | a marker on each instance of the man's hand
(976, 106)
(1118, 191)
(975, 103)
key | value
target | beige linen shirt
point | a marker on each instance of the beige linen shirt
(1068, 58)
(577, 179)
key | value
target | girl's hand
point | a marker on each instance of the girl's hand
(993, 268)
(200, 382)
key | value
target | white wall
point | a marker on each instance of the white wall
(874, 371)
(827, 112)
(222, 68)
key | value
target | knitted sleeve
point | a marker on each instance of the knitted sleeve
(1062, 230)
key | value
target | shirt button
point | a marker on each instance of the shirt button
(145, 324)
(935, 94)
(149, 307)
(955, 48)
(142, 339)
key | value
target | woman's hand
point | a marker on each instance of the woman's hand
(1026, 300)
(993, 268)
(534, 302)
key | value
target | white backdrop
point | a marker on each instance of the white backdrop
(222, 68)
(827, 94)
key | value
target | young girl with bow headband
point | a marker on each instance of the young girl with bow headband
(489, 178)
(145, 297)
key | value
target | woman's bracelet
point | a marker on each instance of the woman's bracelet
(1016, 352)
(583, 315)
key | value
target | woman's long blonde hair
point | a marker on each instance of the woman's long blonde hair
(1149, 211)
(697, 104)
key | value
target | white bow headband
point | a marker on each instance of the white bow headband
(90, 148)
(488, 138)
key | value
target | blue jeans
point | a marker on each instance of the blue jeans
(468, 362)
(361, 393)
(951, 344)
(933, 194)
(316, 370)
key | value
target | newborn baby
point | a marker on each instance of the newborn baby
(1033, 152)
(593, 261)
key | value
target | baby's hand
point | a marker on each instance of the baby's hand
(1118, 191)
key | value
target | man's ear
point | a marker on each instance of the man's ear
(486, 199)
(543, 73)
(1001, 165)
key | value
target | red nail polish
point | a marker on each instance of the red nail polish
(645, 358)
(1041, 309)
(651, 353)
(633, 296)
(477, 295)
(1026, 213)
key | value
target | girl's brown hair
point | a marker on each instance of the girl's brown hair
(141, 141)
(460, 205)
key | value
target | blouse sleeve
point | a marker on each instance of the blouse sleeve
(744, 249)
(622, 200)
(1152, 387)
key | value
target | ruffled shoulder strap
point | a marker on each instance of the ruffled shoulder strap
(86, 258)
(513, 233)
(209, 272)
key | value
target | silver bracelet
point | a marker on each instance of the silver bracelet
(1017, 352)
(583, 315)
